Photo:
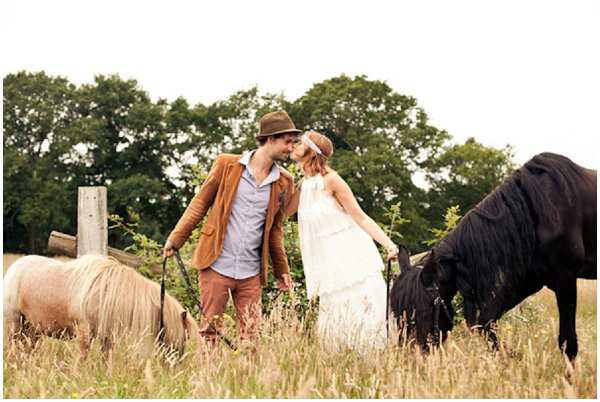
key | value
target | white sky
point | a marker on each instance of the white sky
(524, 73)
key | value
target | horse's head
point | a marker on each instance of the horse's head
(421, 298)
(180, 326)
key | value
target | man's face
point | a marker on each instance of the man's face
(282, 147)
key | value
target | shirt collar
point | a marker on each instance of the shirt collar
(245, 159)
(273, 174)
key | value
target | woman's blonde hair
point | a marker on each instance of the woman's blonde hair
(314, 163)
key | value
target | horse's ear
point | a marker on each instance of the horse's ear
(404, 258)
(429, 270)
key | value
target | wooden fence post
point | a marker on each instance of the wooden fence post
(92, 221)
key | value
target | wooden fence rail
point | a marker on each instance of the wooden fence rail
(64, 244)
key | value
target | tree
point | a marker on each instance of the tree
(229, 125)
(463, 175)
(129, 146)
(39, 174)
(153, 155)
(381, 138)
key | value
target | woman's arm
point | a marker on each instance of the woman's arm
(343, 194)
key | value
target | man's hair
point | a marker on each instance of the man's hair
(263, 140)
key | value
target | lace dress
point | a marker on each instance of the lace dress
(343, 267)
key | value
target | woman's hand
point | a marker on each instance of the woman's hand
(392, 251)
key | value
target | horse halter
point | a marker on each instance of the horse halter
(438, 304)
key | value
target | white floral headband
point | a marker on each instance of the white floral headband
(311, 144)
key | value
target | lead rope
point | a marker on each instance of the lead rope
(387, 300)
(161, 332)
(436, 320)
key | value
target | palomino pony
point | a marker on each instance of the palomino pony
(536, 229)
(90, 297)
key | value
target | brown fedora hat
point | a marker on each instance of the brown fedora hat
(276, 123)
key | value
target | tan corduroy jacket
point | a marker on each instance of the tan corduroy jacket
(218, 191)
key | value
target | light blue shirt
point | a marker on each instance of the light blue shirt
(241, 254)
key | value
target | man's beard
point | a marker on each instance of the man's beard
(281, 157)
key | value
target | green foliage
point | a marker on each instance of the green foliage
(463, 175)
(130, 151)
(149, 250)
(451, 219)
(58, 137)
(395, 219)
(40, 181)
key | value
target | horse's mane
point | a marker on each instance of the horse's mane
(495, 242)
(122, 300)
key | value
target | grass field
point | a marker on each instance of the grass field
(290, 362)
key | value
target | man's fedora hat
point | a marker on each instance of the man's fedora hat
(276, 123)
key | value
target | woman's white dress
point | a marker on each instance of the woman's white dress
(343, 267)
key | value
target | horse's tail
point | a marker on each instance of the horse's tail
(12, 282)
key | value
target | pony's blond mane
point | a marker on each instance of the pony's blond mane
(117, 299)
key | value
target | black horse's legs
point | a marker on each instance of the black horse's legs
(490, 335)
(470, 313)
(566, 298)
(487, 330)
(484, 323)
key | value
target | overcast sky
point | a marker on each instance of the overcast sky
(524, 73)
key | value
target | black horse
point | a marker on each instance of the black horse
(536, 229)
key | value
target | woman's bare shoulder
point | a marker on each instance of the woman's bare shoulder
(332, 179)
(331, 175)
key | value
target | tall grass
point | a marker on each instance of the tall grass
(290, 362)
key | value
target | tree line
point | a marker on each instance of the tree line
(152, 155)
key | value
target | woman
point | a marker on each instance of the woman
(341, 263)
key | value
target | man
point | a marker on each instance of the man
(248, 194)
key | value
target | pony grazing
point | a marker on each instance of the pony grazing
(90, 297)
(536, 229)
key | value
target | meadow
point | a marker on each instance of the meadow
(291, 363)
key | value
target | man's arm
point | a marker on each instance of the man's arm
(279, 258)
(198, 207)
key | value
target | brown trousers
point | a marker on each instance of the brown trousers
(214, 294)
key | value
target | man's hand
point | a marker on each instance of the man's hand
(285, 282)
(168, 249)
